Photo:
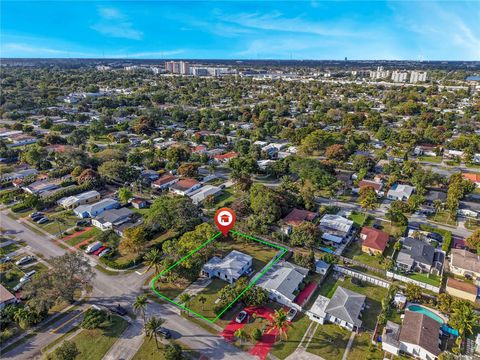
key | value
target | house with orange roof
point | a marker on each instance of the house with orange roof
(473, 177)
(374, 241)
(185, 186)
(224, 158)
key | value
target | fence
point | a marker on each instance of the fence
(362, 276)
(406, 279)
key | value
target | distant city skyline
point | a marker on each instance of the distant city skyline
(317, 30)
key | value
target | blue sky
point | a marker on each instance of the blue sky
(417, 30)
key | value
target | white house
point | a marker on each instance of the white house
(86, 197)
(110, 218)
(282, 281)
(230, 268)
(344, 309)
(400, 192)
(418, 336)
(185, 186)
(92, 210)
(335, 228)
(201, 194)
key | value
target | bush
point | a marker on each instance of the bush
(114, 265)
(256, 334)
(19, 207)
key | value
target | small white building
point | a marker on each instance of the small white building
(111, 218)
(86, 197)
(198, 196)
(400, 192)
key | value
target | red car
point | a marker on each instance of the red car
(99, 250)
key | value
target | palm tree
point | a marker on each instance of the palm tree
(463, 318)
(241, 334)
(152, 326)
(140, 305)
(280, 323)
(184, 298)
(203, 300)
(153, 259)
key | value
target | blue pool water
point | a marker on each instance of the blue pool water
(445, 328)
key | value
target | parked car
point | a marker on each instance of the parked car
(35, 214)
(99, 250)
(25, 260)
(164, 332)
(19, 286)
(118, 310)
(5, 259)
(242, 315)
(105, 252)
(28, 276)
(92, 247)
(291, 314)
(37, 217)
(435, 236)
(82, 223)
(42, 220)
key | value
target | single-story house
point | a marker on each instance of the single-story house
(461, 289)
(150, 175)
(201, 194)
(139, 203)
(322, 267)
(427, 150)
(473, 177)
(377, 186)
(92, 210)
(418, 336)
(164, 182)
(73, 201)
(230, 268)
(282, 281)
(465, 263)
(400, 192)
(433, 196)
(335, 228)
(295, 218)
(224, 158)
(185, 186)
(20, 174)
(374, 241)
(110, 218)
(344, 309)
(6, 297)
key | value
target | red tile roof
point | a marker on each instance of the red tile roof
(375, 239)
(185, 184)
(165, 179)
(368, 183)
(462, 286)
(297, 216)
(472, 177)
(229, 155)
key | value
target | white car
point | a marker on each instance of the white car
(25, 260)
(27, 276)
(105, 252)
(291, 314)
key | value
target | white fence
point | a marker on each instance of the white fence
(406, 279)
(362, 276)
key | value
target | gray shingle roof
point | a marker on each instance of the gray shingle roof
(284, 278)
(346, 305)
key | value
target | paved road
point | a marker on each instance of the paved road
(122, 289)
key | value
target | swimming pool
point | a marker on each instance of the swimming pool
(445, 328)
(425, 311)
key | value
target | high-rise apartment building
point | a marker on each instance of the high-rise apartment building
(380, 73)
(399, 76)
(177, 67)
(418, 76)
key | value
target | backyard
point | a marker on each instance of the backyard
(329, 342)
(354, 251)
(374, 295)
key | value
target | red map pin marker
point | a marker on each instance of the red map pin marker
(225, 219)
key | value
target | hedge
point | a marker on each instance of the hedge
(19, 207)
(447, 236)
(114, 265)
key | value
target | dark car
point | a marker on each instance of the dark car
(435, 236)
(37, 217)
(164, 332)
(118, 310)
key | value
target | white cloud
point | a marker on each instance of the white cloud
(114, 23)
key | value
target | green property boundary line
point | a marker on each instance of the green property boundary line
(255, 280)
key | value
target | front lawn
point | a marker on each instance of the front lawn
(210, 293)
(59, 221)
(295, 334)
(358, 218)
(149, 351)
(329, 342)
(171, 289)
(443, 217)
(93, 232)
(432, 159)
(94, 344)
(226, 198)
(363, 349)
(392, 230)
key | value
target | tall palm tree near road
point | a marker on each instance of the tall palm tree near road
(241, 335)
(153, 259)
(140, 305)
(152, 326)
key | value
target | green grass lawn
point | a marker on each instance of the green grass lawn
(66, 221)
(472, 224)
(4, 250)
(295, 334)
(171, 290)
(432, 159)
(83, 236)
(431, 279)
(392, 229)
(354, 251)
(358, 218)
(443, 217)
(226, 198)
(329, 342)
(149, 351)
(211, 294)
(374, 295)
(94, 344)
(170, 234)
(361, 349)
